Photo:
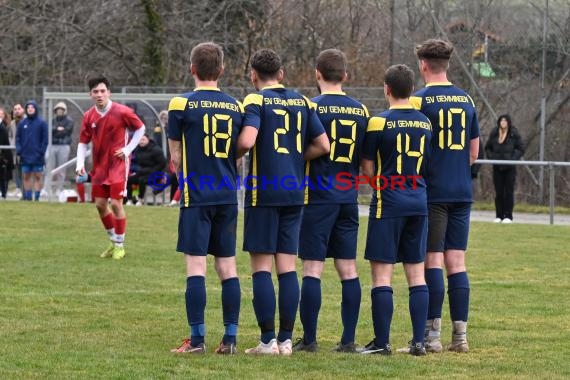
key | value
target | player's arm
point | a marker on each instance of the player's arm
(319, 141)
(84, 138)
(125, 152)
(371, 144)
(246, 140)
(318, 147)
(367, 167)
(251, 123)
(473, 150)
(176, 154)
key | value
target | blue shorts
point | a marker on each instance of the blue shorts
(448, 226)
(329, 230)
(208, 229)
(27, 168)
(272, 229)
(401, 239)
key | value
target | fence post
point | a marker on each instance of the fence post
(551, 195)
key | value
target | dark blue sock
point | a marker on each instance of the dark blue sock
(195, 306)
(436, 286)
(350, 308)
(419, 302)
(458, 293)
(231, 300)
(27, 195)
(288, 304)
(309, 307)
(264, 304)
(37, 195)
(382, 310)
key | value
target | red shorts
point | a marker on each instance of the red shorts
(113, 191)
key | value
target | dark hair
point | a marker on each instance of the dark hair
(436, 53)
(507, 117)
(94, 82)
(208, 60)
(400, 79)
(266, 64)
(331, 63)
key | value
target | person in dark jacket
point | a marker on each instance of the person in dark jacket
(31, 144)
(150, 159)
(505, 143)
(6, 158)
(62, 128)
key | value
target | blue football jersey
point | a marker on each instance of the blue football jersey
(286, 123)
(345, 121)
(397, 140)
(454, 120)
(207, 122)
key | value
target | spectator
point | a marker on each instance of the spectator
(6, 158)
(62, 128)
(505, 143)
(160, 128)
(31, 145)
(18, 115)
(150, 159)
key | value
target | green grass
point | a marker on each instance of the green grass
(65, 313)
(523, 207)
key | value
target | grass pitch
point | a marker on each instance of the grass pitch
(66, 313)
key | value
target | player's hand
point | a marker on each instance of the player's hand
(80, 171)
(120, 154)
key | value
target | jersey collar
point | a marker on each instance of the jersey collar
(402, 107)
(439, 84)
(206, 88)
(333, 93)
(278, 85)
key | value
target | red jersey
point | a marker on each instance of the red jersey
(109, 133)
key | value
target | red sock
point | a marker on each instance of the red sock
(108, 221)
(176, 196)
(81, 192)
(120, 226)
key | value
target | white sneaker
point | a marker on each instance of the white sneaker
(173, 203)
(270, 348)
(139, 203)
(497, 220)
(507, 221)
(129, 203)
(285, 348)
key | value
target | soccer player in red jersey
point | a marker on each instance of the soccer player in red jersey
(106, 125)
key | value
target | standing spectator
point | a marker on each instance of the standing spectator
(150, 159)
(6, 157)
(505, 143)
(17, 115)
(31, 144)
(160, 128)
(62, 128)
(105, 125)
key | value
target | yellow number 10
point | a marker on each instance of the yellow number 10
(419, 154)
(441, 136)
(283, 131)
